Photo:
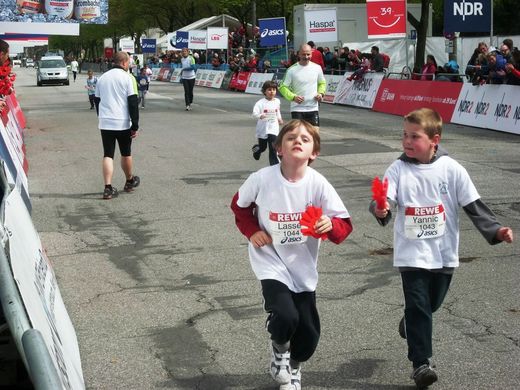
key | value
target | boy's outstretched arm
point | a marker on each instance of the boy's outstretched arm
(383, 216)
(486, 223)
(247, 223)
(341, 228)
(245, 218)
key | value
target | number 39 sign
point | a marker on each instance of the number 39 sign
(386, 18)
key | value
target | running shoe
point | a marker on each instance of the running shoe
(256, 152)
(110, 192)
(279, 367)
(296, 380)
(132, 183)
(424, 376)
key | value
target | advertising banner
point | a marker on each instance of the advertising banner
(40, 293)
(176, 75)
(256, 81)
(495, 107)
(467, 16)
(399, 97)
(359, 93)
(386, 19)
(217, 38)
(197, 39)
(149, 45)
(321, 25)
(163, 72)
(333, 82)
(54, 12)
(127, 45)
(272, 32)
(181, 39)
(109, 52)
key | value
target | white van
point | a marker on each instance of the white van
(52, 70)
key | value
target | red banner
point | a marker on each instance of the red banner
(239, 81)
(109, 52)
(386, 18)
(399, 97)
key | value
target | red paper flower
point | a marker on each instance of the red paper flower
(379, 190)
(309, 218)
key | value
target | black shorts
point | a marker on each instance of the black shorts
(312, 117)
(124, 140)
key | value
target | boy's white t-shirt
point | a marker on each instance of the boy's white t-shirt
(428, 196)
(114, 87)
(270, 124)
(292, 257)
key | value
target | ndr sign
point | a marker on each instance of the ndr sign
(467, 15)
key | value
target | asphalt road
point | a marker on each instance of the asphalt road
(158, 282)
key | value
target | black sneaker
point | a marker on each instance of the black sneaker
(132, 183)
(110, 192)
(256, 152)
(424, 376)
(402, 328)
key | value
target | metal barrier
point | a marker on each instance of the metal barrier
(30, 346)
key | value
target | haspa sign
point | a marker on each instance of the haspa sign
(386, 18)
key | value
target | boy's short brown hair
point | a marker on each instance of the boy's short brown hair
(294, 124)
(269, 84)
(429, 120)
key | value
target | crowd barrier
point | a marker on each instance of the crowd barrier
(31, 301)
(489, 106)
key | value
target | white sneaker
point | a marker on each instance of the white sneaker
(188, 108)
(296, 380)
(279, 368)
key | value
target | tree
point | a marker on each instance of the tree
(421, 26)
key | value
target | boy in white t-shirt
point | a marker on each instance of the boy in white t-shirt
(269, 119)
(427, 187)
(268, 208)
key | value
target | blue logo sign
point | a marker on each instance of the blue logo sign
(272, 32)
(181, 39)
(467, 15)
(148, 45)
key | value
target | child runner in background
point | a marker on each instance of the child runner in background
(267, 208)
(143, 83)
(90, 86)
(427, 187)
(269, 119)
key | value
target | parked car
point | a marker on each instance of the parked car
(29, 63)
(52, 70)
(17, 63)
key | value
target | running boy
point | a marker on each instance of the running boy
(427, 187)
(267, 210)
(143, 83)
(90, 86)
(269, 119)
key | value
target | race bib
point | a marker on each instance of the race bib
(285, 228)
(270, 115)
(421, 223)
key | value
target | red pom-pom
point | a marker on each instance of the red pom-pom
(379, 190)
(309, 218)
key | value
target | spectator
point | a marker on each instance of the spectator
(334, 63)
(477, 60)
(251, 63)
(343, 58)
(354, 60)
(505, 52)
(316, 55)
(377, 62)
(328, 56)
(496, 68)
(363, 68)
(429, 68)
(513, 69)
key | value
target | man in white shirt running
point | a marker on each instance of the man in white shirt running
(116, 95)
(304, 86)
